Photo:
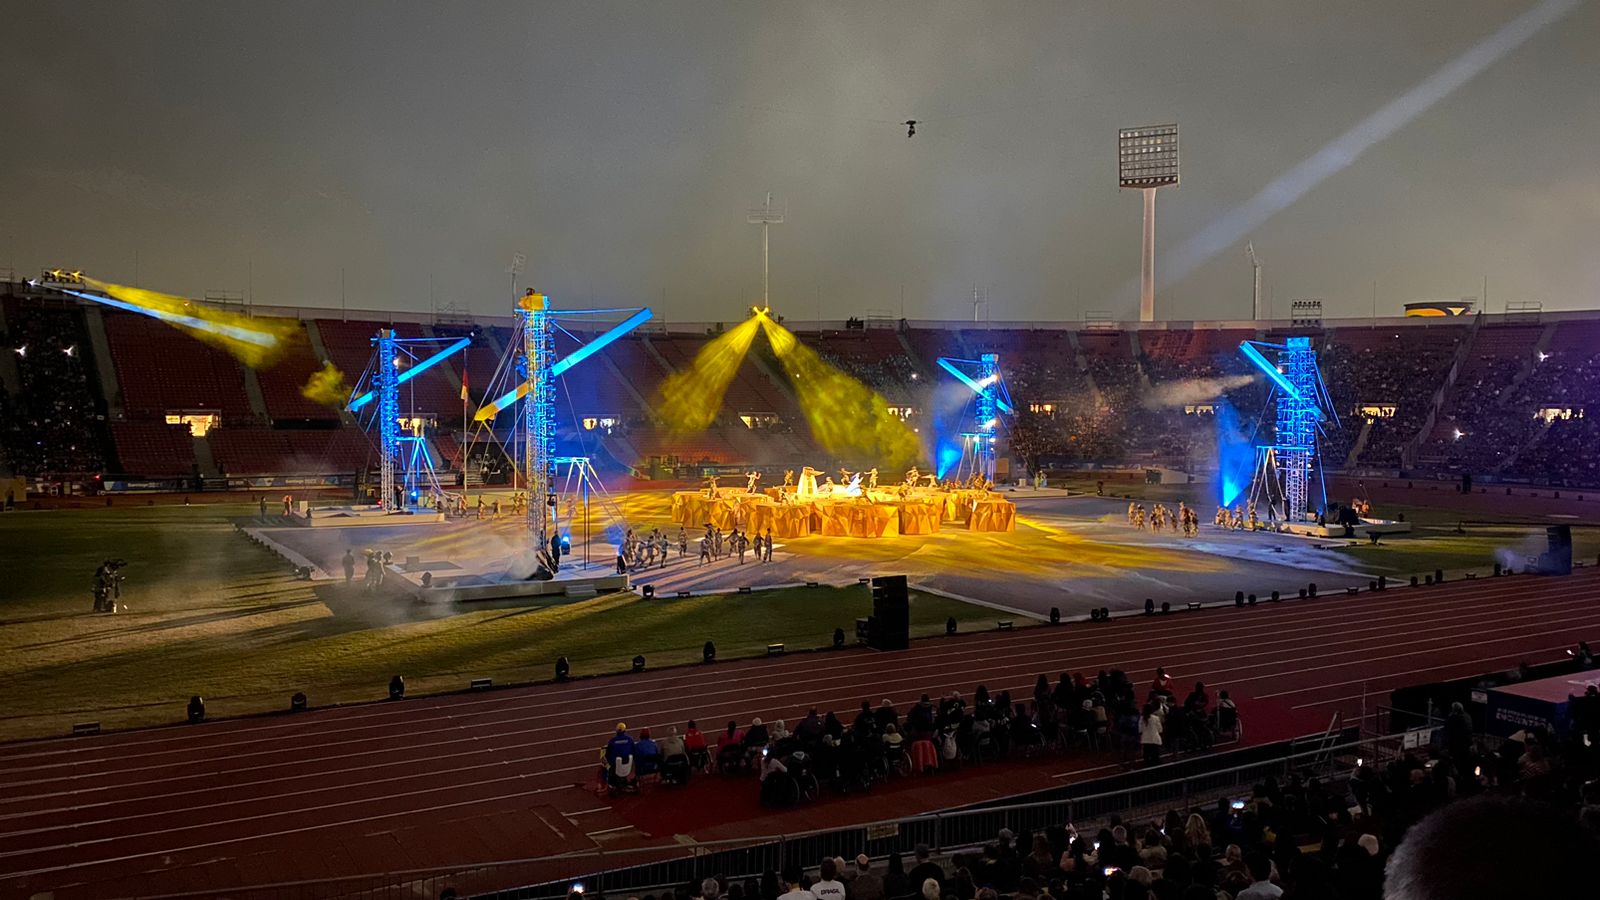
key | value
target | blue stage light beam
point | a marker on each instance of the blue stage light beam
(577, 356)
(977, 388)
(1345, 149)
(235, 332)
(412, 372)
(1254, 355)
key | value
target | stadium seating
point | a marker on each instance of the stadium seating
(153, 449)
(161, 369)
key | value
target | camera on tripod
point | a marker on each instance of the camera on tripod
(108, 585)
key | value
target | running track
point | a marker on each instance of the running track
(477, 777)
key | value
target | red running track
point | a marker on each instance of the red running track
(464, 778)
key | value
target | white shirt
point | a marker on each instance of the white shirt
(1150, 730)
(797, 894)
(1261, 890)
(828, 890)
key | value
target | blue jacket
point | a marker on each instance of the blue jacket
(619, 747)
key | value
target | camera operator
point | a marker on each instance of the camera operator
(108, 580)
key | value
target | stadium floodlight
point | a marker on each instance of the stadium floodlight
(1147, 159)
(765, 216)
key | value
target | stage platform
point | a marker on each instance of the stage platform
(359, 516)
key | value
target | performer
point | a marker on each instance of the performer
(683, 542)
(788, 478)
(872, 479)
(1131, 506)
(750, 481)
(808, 482)
(769, 545)
(711, 486)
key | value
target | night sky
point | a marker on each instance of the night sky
(210, 146)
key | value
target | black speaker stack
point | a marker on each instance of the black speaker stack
(889, 628)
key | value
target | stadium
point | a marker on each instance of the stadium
(701, 593)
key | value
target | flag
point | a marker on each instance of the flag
(463, 385)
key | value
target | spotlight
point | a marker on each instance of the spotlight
(1003, 625)
(1276, 597)
(1149, 607)
(197, 709)
(397, 688)
(649, 591)
(1166, 607)
(774, 649)
(838, 639)
(1383, 582)
(1372, 585)
(1194, 605)
(1427, 580)
(1055, 615)
(1438, 576)
(563, 669)
(1251, 599)
(297, 703)
(480, 684)
(950, 625)
(1312, 590)
(708, 653)
(1413, 581)
(1238, 598)
(638, 663)
(1352, 591)
(1497, 570)
(1302, 593)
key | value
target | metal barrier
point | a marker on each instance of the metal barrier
(663, 867)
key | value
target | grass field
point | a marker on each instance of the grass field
(212, 613)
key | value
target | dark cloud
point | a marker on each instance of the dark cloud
(619, 144)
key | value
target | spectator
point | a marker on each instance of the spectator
(895, 881)
(792, 880)
(1492, 847)
(865, 885)
(930, 890)
(828, 886)
(709, 889)
(1150, 733)
(926, 869)
(1260, 888)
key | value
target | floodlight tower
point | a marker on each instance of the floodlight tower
(1255, 282)
(765, 216)
(1147, 159)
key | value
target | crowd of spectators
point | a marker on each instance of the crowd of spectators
(53, 425)
(1465, 817)
(1103, 712)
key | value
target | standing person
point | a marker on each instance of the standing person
(705, 551)
(349, 561)
(622, 561)
(263, 499)
(1150, 733)
(769, 545)
(683, 542)
(716, 543)
(739, 544)
(288, 504)
(664, 548)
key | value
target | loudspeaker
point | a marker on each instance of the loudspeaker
(889, 628)
(1557, 560)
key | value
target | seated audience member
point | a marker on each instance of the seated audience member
(793, 878)
(828, 886)
(694, 743)
(1493, 847)
(925, 870)
(648, 753)
(866, 885)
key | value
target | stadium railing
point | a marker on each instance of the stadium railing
(636, 871)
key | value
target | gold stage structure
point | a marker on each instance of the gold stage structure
(794, 511)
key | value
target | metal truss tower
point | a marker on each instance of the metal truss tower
(387, 376)
(1298, 415)
(982, 376)
(538, 415)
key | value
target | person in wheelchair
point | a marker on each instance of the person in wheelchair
(1025, 733)
(675, 764)
(779, 786)
(756, 740)
(647, 755)
(618, 756)
(694, 744)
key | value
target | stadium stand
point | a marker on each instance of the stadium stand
(160, 369)
(1521, 394)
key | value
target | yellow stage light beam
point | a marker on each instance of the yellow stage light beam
(846, 417)
(256, 342)
(691, 398)
(327, 387)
